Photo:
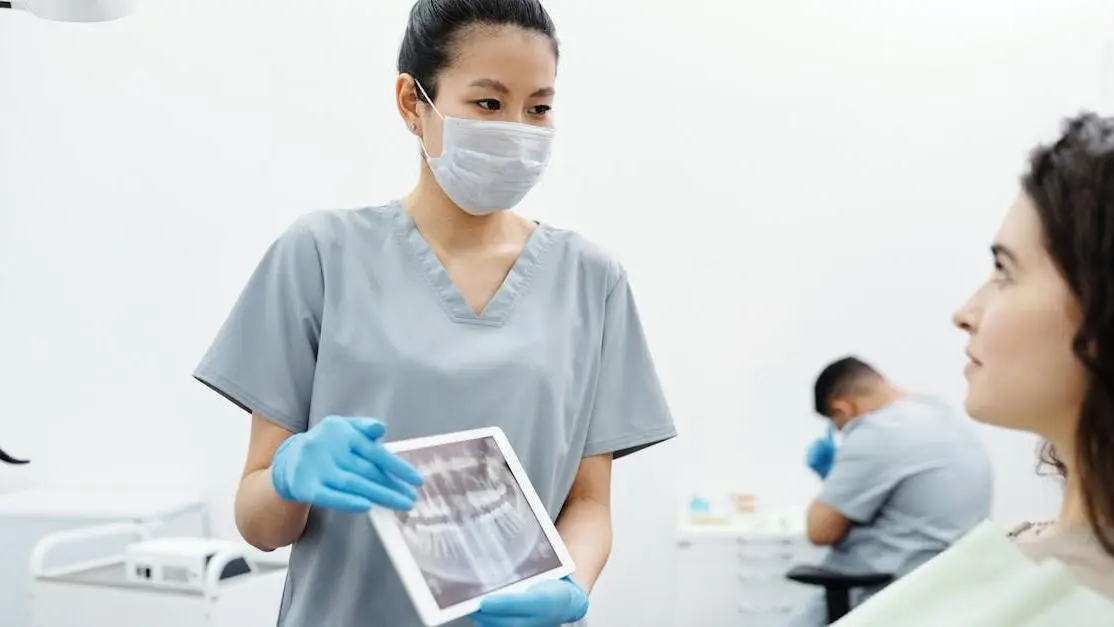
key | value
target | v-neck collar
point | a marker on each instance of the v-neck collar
(514, 285)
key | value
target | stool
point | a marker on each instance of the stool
(837, 586)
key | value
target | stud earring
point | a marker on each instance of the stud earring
(414, 127)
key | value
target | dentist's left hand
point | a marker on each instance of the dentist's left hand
(547, 604)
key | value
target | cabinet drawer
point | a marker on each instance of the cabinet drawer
(707, 558)
(740, 581)
(753, 615)
(770, 550)
(735, 560)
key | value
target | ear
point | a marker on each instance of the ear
(409, 106)
(842, 410)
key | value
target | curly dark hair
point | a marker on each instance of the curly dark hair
(1071, 183)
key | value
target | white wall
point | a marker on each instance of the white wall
(785, 181)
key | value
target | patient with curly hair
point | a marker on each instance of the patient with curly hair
(1041, 349)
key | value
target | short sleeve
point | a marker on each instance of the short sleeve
(264, 356)
(862, 477)
(629, 412)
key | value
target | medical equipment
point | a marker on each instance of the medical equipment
(487, 166)
(26, 516)
(722, 510)
(733, 575)
(702, 512)
(699, 506)
(8, 459)
(745, 503)
(182, 563)
(74, 10)
(99, 589)
(478, 527)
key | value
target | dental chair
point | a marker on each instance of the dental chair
(837, 586)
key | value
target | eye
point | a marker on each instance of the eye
(489, 104)
(1001, 274)
(540, 109)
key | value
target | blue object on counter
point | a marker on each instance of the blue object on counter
(699, 506)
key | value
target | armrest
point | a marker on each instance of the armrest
(816, 576)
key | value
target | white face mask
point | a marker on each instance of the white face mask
(488, 166)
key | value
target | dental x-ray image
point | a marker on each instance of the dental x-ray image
(472, 530)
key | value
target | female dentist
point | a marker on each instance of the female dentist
(438, 312)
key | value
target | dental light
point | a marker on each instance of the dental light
(73, 10)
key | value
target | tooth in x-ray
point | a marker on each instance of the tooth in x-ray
(470, 523)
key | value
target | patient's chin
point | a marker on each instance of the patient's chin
(991, 414)
(981, 411)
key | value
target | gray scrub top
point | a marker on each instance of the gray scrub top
(913, 478)
(351, 313)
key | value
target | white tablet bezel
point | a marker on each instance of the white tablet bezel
(386, 525)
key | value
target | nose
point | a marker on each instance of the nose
(960, 321)
(965, 317)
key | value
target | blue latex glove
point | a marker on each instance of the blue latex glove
(547, 604)
(822, 453)
(339, 464)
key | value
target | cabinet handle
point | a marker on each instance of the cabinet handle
(764, 578)
(779, 609)
(778, 555)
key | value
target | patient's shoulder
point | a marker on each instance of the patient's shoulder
(1030, 530)
(1077, 548)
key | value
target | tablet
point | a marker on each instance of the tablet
(478, 527)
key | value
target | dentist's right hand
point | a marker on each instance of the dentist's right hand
(821, 455)
(340, 464)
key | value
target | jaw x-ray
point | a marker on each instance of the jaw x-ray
(472, 530)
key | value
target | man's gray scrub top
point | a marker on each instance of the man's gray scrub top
(351, 313)
(913, 478)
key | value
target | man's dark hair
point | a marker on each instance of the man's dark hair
(840, 378)
(1071, 183)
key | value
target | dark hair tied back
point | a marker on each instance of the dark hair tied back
(436, 26)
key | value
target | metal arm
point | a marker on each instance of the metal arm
(4, 457)
(62, 538)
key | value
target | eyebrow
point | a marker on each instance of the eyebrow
(492, 84)
(1001, 250)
